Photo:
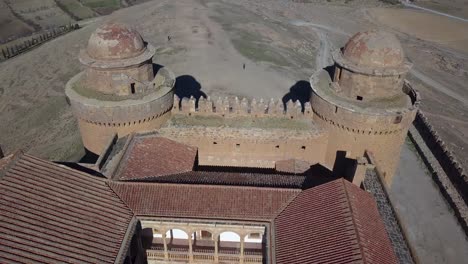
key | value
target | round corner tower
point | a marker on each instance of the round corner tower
(118, 93)
(365, 103)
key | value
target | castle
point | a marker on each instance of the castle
(362, 103)
(202, 180)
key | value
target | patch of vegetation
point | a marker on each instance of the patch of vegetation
(75, 9)
(248, 41)
(241, 122)
(248, 46)
(391, 2)
(102, 3)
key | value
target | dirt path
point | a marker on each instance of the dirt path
(407, 3)
(438, 86)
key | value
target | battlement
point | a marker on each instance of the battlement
(231, 107)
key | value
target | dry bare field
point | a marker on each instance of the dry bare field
(453, 7)
(10, 25)
(430, 27)
(20, 18)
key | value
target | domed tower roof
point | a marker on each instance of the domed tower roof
(116, 45)
(115, 41)
(373, 52)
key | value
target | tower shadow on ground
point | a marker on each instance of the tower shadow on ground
(187, 86)
(301, 91)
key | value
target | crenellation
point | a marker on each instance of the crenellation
(234, 107)
(176, 104)
(244, 107)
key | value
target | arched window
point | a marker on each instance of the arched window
(176, 233)
(229, 236)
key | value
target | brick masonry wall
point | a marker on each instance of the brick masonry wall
(367, 86)
(354, 132)
(250, 147)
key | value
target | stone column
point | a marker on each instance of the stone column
(241, 259)
(166, 255)
(216, 256)
(190, 248)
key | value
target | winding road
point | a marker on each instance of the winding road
(324, 59)
(407, 3)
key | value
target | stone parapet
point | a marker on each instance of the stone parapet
(119, 113)
(447, 160)
(368, 119)
(232, 106)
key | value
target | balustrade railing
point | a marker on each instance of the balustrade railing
(203, 255)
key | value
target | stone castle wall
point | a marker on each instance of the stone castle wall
(444, 156)
(351, 133)
(235, 107)
(96, 135)
(244, 147)
(99, 120)
(252, 146)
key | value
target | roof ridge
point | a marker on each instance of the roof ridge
(122, 159)
(356, 229)
(118, 196)
(207, 186)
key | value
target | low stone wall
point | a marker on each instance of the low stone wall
(235, 107)
(444, 156)
(11, 51)
(442, 167)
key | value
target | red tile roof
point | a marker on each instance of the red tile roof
(155, 156)
(333, 223)
(204, 201)
(51, 214)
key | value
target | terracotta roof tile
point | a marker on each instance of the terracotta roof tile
(376, 245)
(340, 225)
(155, 156)
(51, 214)
(234, 178)
(203, 201)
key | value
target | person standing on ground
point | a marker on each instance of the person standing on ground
(243, 66)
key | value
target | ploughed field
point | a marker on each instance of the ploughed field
(20, 18)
